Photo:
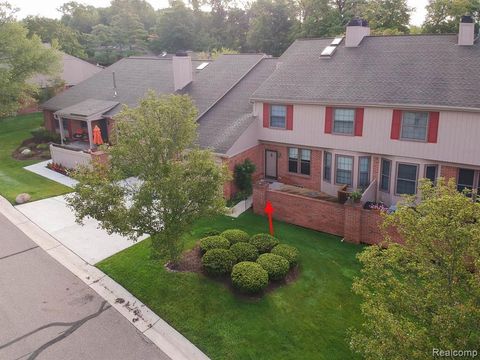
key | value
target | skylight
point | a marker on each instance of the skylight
(337, 41)
(328, 51)
(202, 65)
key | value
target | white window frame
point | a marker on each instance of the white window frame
(389, 176)
(271, 114)
(369, 169)
(436, 171)
(329, 180)
(336, 168)
(402, 137)
(396, 177)
(353, 122)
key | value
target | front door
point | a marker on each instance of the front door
(271, 164)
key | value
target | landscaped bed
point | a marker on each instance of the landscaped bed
(13, 178)
(305, 316)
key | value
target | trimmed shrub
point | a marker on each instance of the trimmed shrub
(244, 251)
(235, 236)
(276, 266)
(213, 242)
(289, 253)
(249, 277)
(218, 261)
(263, 242)
(211, 232)
(43, 135)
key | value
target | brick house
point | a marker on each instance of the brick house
(375, 113)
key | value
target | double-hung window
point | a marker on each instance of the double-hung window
(327, 166)
(414, 125)
(465, 179)
(363, 171)
(385, 175)
(344, 170)
(278, 116)
(406, 179)
(299, 161)
(343, 121)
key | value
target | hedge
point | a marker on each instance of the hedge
(244, 251)
(290, 253)
(249, 277)
(213, 242)
(275, 265)
(218, 261)
(263, 242)
(235, 236)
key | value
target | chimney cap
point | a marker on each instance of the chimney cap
(181, 53)
(466, 19)
(358, 22)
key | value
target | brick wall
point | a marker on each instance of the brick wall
(449, 172)
(312, 181)
(349, 221)
(48, 120)
(375, 168)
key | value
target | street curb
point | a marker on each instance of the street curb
(165, 337)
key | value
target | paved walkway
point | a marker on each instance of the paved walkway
(49, 313)
(42, 170)
(88, 241)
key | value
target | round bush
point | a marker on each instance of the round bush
(218, 261)
(213, 242)
(235, 236)
(249, 277)
(263, 242)
(288, 252)
(244, 251)
(275, 265)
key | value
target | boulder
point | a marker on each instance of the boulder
(22, 198)
(26, 152)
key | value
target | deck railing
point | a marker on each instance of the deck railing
(68, 157)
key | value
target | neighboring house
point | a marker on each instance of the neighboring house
(372, 112)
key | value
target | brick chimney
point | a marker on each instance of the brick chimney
(182, 70)
(357, 29)
(466, 31)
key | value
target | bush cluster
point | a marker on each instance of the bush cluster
(244, 251)
(275, 265)
(235, 236)
(213, 242)
(264, 242)
(218, 261)
(249, 277)
(43, 135)
(288, 252)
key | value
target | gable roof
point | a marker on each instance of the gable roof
(411, 70)
(222, 125)
(87, 108)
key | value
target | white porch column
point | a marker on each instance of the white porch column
(90, 133)
(60, 123)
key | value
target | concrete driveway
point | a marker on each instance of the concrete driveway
(89, 242)
(47, 312)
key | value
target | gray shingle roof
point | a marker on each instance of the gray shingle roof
(221, 126)
(409, 70)
(88, 108)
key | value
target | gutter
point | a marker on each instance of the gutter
(376, 105)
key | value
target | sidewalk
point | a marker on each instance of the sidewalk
(171, 342)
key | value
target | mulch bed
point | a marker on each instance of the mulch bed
(37, 154)
(191, 261)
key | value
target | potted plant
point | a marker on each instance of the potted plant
(355, 196)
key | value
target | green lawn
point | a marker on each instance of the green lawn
(13, 178)
(307, 319)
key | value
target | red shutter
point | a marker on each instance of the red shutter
(289, 117)
(396, 124)
(359, 122)
(433, 126)
(328, 120)
(266, 115)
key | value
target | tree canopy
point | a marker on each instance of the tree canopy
(176, 183)
(424, 294)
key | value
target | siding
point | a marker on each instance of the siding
(457, 135)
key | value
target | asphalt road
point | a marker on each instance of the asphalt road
(46, 312)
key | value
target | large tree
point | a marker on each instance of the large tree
(21, 57)
(271, 26)
(443, 16)
(425, 294)
(176, 182)
(387, 16)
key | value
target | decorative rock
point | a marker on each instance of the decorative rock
(22, 198)
(26, 152)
